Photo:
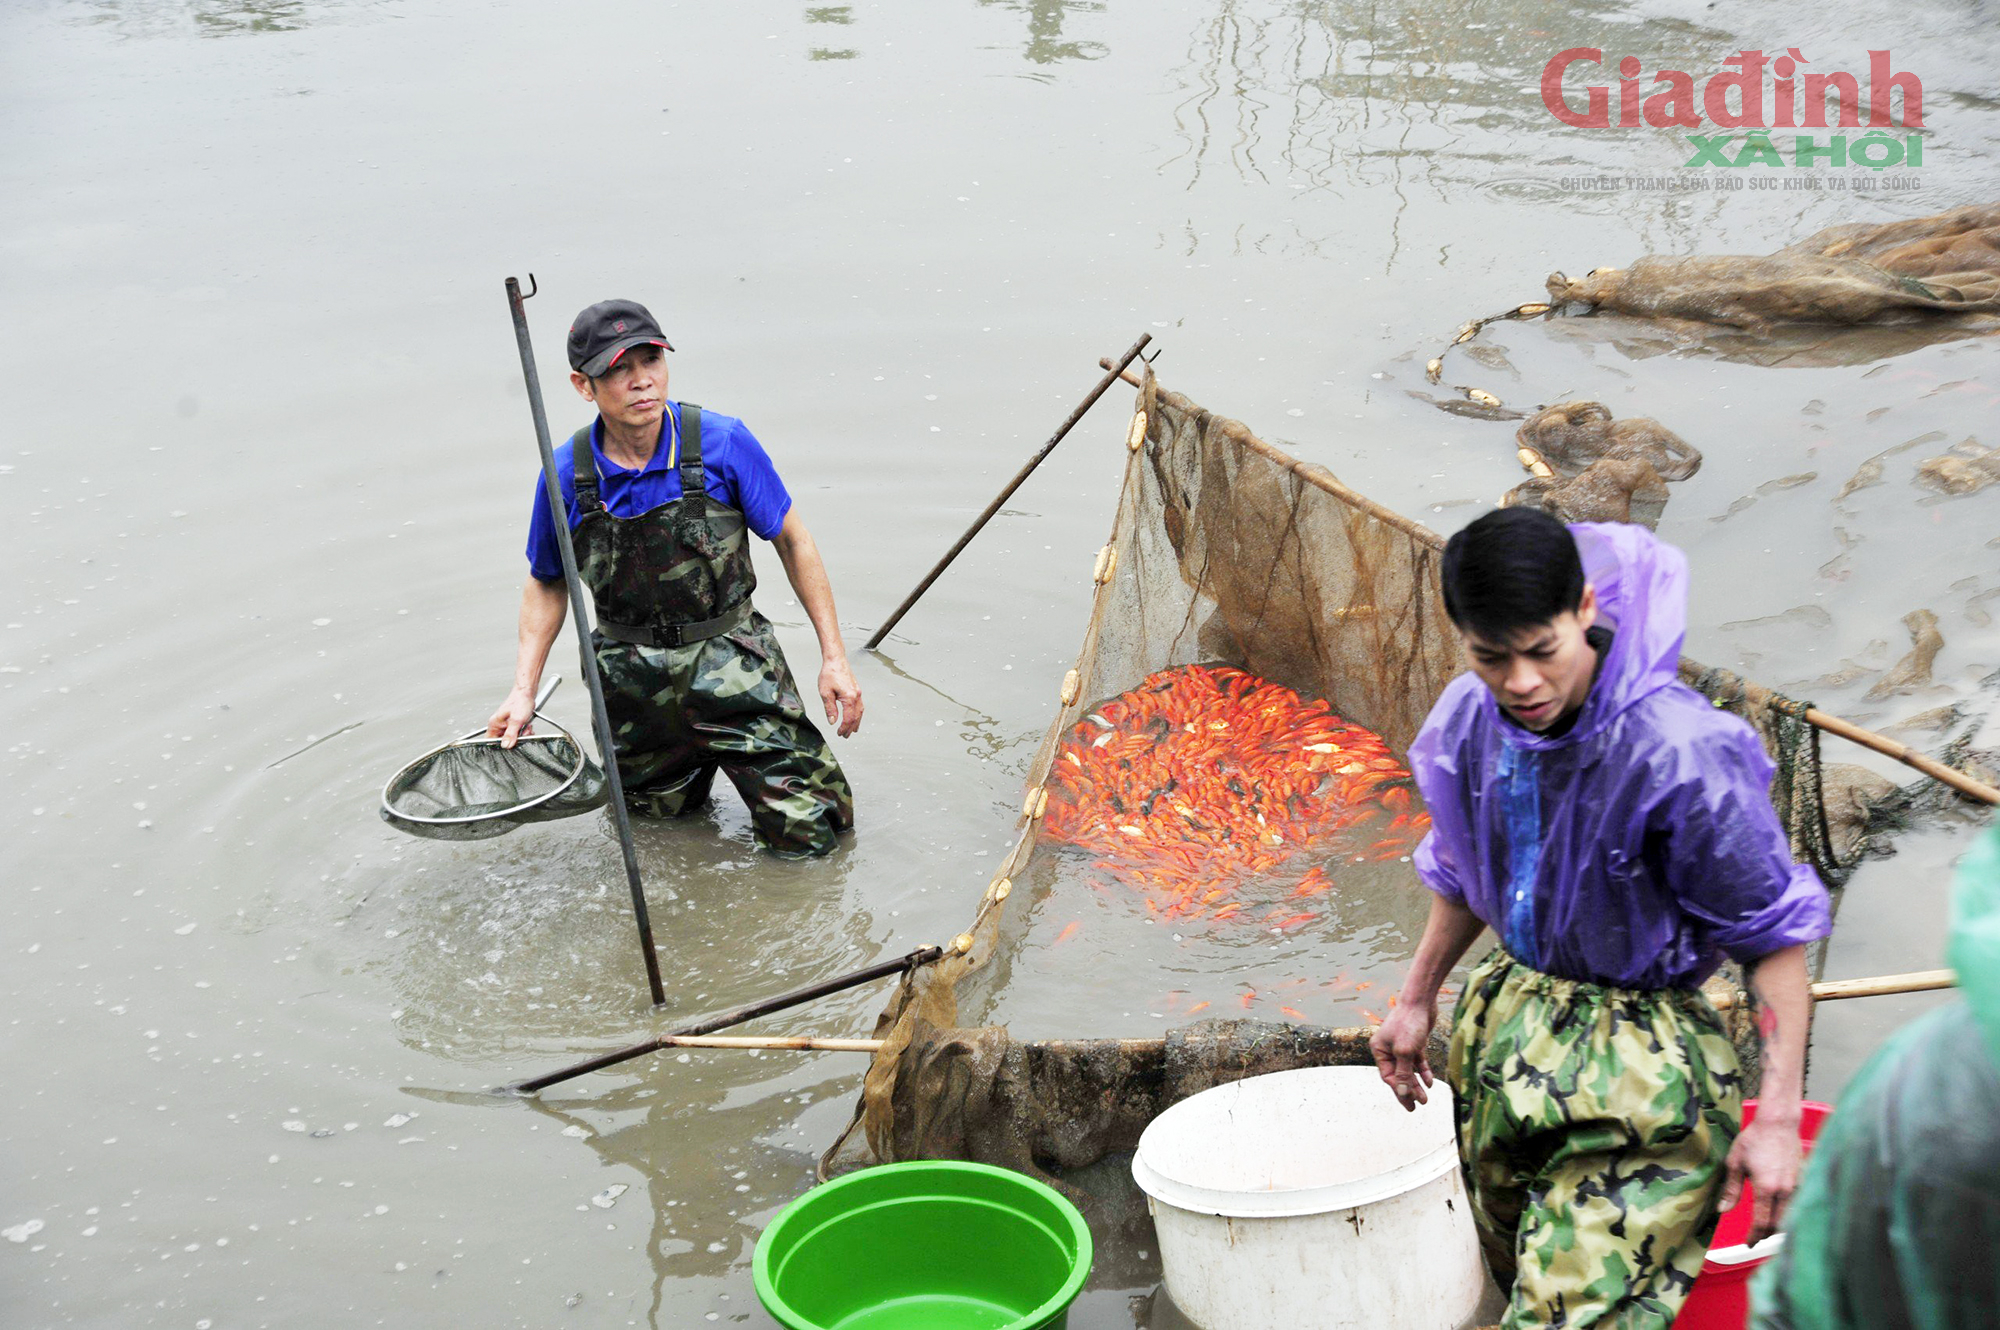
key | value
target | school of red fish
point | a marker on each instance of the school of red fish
(1212, 791)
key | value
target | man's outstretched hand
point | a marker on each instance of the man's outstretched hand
(1400, 1047)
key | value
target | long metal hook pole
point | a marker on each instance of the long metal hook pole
(559, 517)
(723, 1020)
(1007, 493)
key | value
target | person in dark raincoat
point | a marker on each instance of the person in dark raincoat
(662, 498)
(1616, 832)
(1897, 1221)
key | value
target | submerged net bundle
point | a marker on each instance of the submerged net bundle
(1587, 466)
(1909, 271)
(1220, 795)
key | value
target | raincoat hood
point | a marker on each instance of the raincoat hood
(1642, 585)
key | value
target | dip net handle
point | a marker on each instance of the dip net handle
(600, 718)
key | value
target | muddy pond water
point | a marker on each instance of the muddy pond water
(267, 472)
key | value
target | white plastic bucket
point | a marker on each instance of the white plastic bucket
(1311, 1200)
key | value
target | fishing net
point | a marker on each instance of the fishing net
(1897, 1221)
(1833, 813)
(1219, 809)
(1055, 1105)
(1900, 272)
(1849, 295)
(1589, 467)
(472, 788)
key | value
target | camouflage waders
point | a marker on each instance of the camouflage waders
(693, 675)
(1593, 1123)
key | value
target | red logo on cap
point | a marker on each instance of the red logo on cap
(619, 326)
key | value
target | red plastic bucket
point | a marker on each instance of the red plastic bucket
(1721, 1296)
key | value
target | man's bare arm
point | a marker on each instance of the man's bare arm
(543, 607)
(837, 690)
(1399, 1045)
(1767, 1154)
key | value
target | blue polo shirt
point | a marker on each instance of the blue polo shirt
(738, 470)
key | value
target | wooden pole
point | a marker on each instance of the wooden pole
(724, 1019)
(802, 1042)
(1930, 766)
(1131, 354)
(1917, 981)
(1318, 477)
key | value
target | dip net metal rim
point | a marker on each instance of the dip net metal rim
(475, 787)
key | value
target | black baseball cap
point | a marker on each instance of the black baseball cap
(606, 331)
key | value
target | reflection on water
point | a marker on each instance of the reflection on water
(985, 738)
(210, 18)
(1045, 44)
(498, 954)
(1347, 95)
(703, 1209)
(836, 14)
(1802, 346)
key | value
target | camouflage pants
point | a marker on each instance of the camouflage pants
(1593, 1124)
(678, 714)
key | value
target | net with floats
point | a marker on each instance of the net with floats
(1250, 614)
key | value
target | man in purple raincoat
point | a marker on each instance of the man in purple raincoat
(1616, 832)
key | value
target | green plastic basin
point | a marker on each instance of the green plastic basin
(927, 1245)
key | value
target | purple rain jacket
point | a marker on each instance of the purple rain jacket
(1640, 847)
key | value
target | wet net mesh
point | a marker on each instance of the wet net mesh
(1224, 551)
(1588, 466)
(1859, 273)
(475, 789)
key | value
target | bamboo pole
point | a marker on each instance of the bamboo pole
(1322, 479)
(1020, 476)
(723, 1020)
(1930, 766)
(800, 1042)
(1917, 981)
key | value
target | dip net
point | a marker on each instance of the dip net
(474, 788)
(1211, 876)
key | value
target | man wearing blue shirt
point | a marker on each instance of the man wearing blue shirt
(661, 498)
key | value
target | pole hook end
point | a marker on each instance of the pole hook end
(533, 287)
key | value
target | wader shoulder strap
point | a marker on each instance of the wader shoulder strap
(584, 458)
(693, 481)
